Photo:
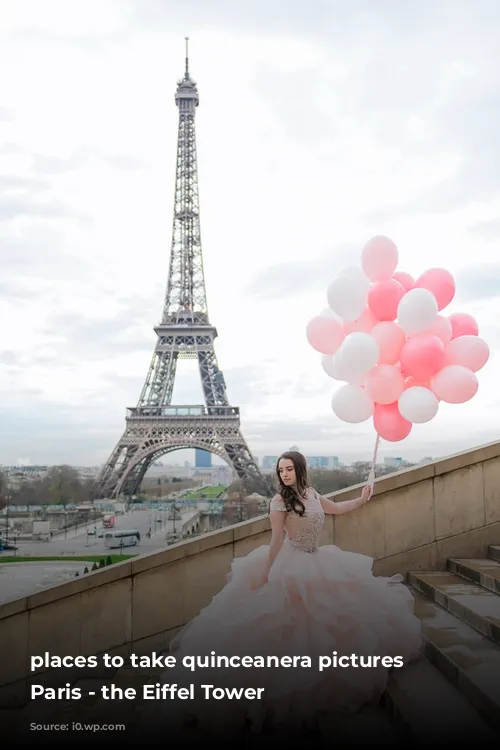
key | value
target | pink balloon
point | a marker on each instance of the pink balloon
(389, 423)
(384, 298)
(422, 356)
(384, 384)
(463, 324)
(325, 334)
(390, 339)
(455, 384)
(469, 351)
(440, 283)
(379, 258)
(364, 323)
(442, 329)
(404, 279)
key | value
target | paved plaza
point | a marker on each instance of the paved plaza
(24, 578)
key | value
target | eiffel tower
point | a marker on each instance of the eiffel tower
(155, 426)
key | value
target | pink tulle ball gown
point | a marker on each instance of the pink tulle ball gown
(319, 601)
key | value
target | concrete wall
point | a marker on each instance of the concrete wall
(416, 520)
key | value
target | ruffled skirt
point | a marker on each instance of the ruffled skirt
(321, 606)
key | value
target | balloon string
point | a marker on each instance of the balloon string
(371, 475)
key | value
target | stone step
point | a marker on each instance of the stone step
(494, 552)
(472, 603)
(484, 572)
(468, 659)
(420, 690)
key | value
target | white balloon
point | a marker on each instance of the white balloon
(352, 404)
(347, 297)
(332, 366)
(418, 405)
(358, 354)
(417, 311)
(355, 272)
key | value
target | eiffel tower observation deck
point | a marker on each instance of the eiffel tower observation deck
(155, 426)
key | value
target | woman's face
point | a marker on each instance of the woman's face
(287, 472)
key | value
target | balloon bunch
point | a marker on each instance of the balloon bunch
(382, 335)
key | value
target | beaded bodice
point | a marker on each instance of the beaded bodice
(303, 531)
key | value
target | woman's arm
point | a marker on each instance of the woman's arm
(278, 537)
(329, 506)
(277, 518)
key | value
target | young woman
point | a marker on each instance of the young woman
(295, 598)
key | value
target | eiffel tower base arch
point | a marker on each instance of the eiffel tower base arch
(146, 439)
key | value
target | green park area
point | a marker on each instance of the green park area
(206, 492)
(108, 559)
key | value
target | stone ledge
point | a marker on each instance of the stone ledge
(183, 549)
(15, 607)
(250, 528)
(99, 577)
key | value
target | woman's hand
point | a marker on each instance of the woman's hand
(366, 494)
(261, 581)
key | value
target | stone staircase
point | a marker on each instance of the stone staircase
(451, 697)
(460, 612)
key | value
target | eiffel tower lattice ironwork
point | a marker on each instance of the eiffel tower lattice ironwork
(155, 426)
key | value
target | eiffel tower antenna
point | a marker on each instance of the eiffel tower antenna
(155, 427)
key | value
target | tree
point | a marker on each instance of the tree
(265, 486)
(338, 479)
(61, 485)
(64, 485)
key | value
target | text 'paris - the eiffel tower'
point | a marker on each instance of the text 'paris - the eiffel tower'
(155, 427)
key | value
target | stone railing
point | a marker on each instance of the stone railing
(416, 520)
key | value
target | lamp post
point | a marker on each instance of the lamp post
(7, 521)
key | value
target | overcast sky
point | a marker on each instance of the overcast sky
(319, 125)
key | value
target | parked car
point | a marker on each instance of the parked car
(7, 546)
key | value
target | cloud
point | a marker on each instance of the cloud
(9, 148)
(294, 431)
(490, 229)
(14, 291)
(9, 358)
(45, 164)
(326, 20)
(294, 278)
(98, 338)
(6, 115)
(38, 254)
(480, 281)
(30, 197)
(12, 207)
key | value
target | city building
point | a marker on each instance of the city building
(393, 462)
(269, 463)
(202, 459)
(327, 463)
(323, 462)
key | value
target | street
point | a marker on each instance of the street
(77, 542)
(25, 578)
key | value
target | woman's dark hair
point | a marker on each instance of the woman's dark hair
(292, 496)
